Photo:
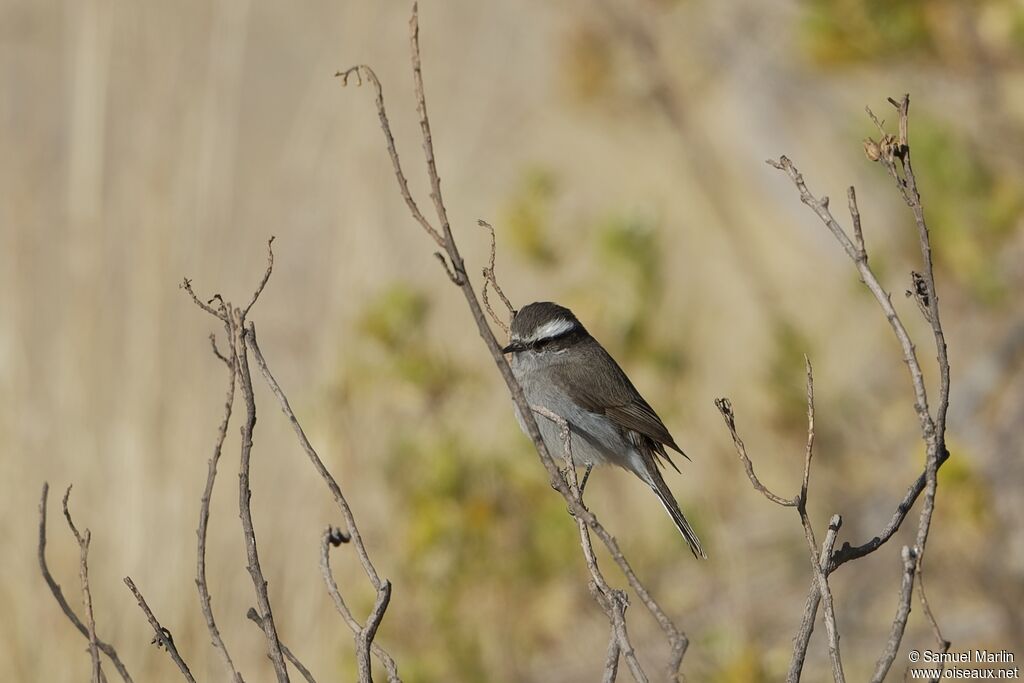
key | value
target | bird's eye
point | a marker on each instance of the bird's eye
(541, 343)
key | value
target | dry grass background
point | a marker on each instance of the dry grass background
(148, 141)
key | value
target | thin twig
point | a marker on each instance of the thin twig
(303, 671)
(162, 636)
(724, 406)
(858, 232)
(307, 447)
(83, 540)
(204, 512)
(899, 624)
(492, 280)
(266, 277)
(940, 640)
(58, 594)
(362, 71)
(809, 452)
(803, 637)
(365, 637)
(819, 562)
(849, 552)
(332, 538)
(612, 601)
(245, 498)
(820, 575)
(186, 284)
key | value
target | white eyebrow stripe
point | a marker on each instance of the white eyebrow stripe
(553, 328)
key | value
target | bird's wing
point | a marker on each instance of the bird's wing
(612, 394)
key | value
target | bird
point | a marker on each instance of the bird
(564, 370)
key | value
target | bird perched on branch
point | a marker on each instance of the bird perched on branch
(566, 371)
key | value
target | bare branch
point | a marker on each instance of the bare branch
(899, 624)
(245, 496)
(809, 453)
(612, 601)
(266, 277)
(724, 406)
(858, 233)
(452, 275)
(162, 637)
(883, 298)
(820, 574)
(888, 152)
(335, 537)
(318, 465)
(303, 671)
(83, 574)
(363, 71)
(850, 552)
(813, 600)
(216, 351)
(58, 595)
(940, 640)
(204, 511)
(186, 284)
(491, 279)
(611, 662)
(366, 635)
(428, 141)
(819, 564)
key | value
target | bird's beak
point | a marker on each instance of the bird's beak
(513, 347)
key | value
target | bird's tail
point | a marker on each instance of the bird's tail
(657, 483)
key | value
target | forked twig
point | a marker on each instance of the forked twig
(205, 602)
(58, 595)
(303, 671)
(333, 537)
(724, 406)
(819, 560)
(234, 319)
(491, 280)
(894, 153)
(83, 540)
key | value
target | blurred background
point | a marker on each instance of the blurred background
(618, 149)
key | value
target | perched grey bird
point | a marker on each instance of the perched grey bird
(565, 370)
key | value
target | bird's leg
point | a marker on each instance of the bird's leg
(586, 475)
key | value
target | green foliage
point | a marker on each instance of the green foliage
(845, 32)
(848, 31)
(587, 63)
(965, 494)
(973, 207)
(745, 666)
(527, 217)
(395, 320)
(395, 315)
(786, 376)
(477, 523)
(629, 244)
(632, 257)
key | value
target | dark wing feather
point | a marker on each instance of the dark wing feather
(613, 395)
